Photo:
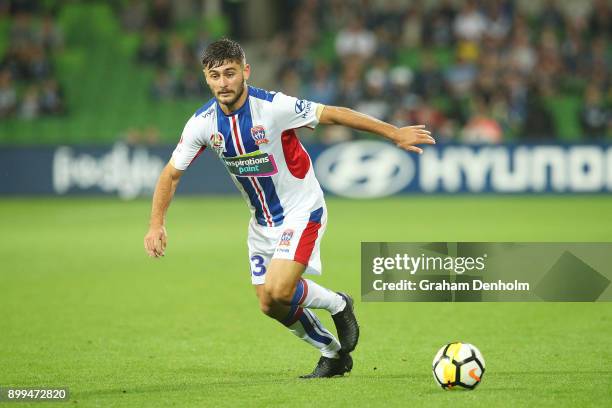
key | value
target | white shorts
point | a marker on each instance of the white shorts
(298, 239)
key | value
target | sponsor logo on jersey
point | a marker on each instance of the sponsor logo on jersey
(285, 239)
(256, 164)
(217, 142)
(258, 133)
(209, 111)
(303, 107)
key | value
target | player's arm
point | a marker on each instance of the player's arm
(406, 137)
(156, 238)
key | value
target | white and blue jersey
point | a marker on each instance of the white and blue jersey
(259, 147)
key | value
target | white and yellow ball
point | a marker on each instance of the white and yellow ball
(458, 366)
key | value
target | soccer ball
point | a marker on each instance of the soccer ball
(458, 366)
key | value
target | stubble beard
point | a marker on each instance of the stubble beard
(239, 92)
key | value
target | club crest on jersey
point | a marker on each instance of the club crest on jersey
(217, 142)
(258, 133)
(285, 239)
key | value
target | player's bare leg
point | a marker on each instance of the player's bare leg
(269, 307)
(282, 278)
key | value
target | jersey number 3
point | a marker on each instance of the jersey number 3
(257, 265)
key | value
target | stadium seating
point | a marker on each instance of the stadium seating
(107, 92)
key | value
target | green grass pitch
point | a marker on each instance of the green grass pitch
(82, 306)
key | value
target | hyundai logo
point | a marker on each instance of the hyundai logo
(364, 169)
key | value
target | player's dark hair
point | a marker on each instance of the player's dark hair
(221, 51)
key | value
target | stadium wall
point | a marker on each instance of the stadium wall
(358, 169)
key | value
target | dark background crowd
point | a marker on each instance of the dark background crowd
(478, 71)
(173, 54)
(29, 87)
(473, 71)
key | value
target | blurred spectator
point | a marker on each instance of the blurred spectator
(291, 82)
(599, 56)
(460, 77)
(438, 30)
(482, 127)
(400, 81)
(350, 89)
(134, 15)
(295, 60)
(201, 42)
(412, 27)
(509, 64)
(174, 55)
(163, 86)
(355, 40)
(152, 50)
(21, 33)
(486, 68)
(600, 20)
(38, 65)
(573, 51)
(322, 87)
(50, 37)
(184, 9)
(177, 55)
(161, 14)
(499, 109)
(470, 24)
(550, 16)
(429, 79)
(521, 55)
(594, 116)
(486, 83)
(386, 45)
(8, 94)
(516, 91)
(30, 105)
(439, 125)
(468, 51)
(498, 21)
(23, 6)
(538, 123)
(52, 98)
(374, 102)
(192, 85)
(28, 87)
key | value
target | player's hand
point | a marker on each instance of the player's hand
(407, 137)
(155, 241)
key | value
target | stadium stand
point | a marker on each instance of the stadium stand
(473, 71)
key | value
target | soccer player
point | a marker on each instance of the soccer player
(252, 131)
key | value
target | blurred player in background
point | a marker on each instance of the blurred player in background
(253, 133)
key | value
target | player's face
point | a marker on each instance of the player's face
(228, 81)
